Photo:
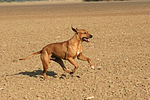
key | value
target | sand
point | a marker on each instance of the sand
(119, 49)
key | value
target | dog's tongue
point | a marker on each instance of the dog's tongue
(88, 40)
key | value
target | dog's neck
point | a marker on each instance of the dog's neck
(76, 39)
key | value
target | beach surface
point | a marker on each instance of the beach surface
(119, 49)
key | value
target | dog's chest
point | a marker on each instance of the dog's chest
(79, 49)
(74, 49)
(78, 53)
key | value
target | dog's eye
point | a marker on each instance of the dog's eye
(84, 32)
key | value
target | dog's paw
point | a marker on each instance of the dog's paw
(92, 67)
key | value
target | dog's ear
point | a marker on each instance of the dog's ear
(75, 30)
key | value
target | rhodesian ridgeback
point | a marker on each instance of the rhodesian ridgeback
(67, 50)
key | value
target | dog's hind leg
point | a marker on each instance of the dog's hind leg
(45, 58)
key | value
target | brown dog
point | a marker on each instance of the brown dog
(66, 50)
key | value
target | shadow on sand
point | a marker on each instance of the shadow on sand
(37, 72)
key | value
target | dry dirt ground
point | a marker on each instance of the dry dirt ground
(120, 50)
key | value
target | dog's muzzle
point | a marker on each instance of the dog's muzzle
(87, 39)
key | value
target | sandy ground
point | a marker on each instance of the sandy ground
(120, 51)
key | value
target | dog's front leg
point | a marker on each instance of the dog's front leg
(74, 63)
(81, 57)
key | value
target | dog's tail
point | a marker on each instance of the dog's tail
(31, 55)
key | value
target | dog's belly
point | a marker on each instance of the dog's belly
(58, 49)
(60, 55)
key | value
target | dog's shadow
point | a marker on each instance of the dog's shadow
(48, 73)
(37, 72)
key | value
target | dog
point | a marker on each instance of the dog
(67, 50)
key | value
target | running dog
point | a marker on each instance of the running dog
(67, 50)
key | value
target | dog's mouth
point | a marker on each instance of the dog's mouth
(86, 39)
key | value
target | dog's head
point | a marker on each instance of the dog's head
(83, 34)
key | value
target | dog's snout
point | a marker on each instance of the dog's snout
(91, 36)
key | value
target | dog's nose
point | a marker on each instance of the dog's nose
(91, 36)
